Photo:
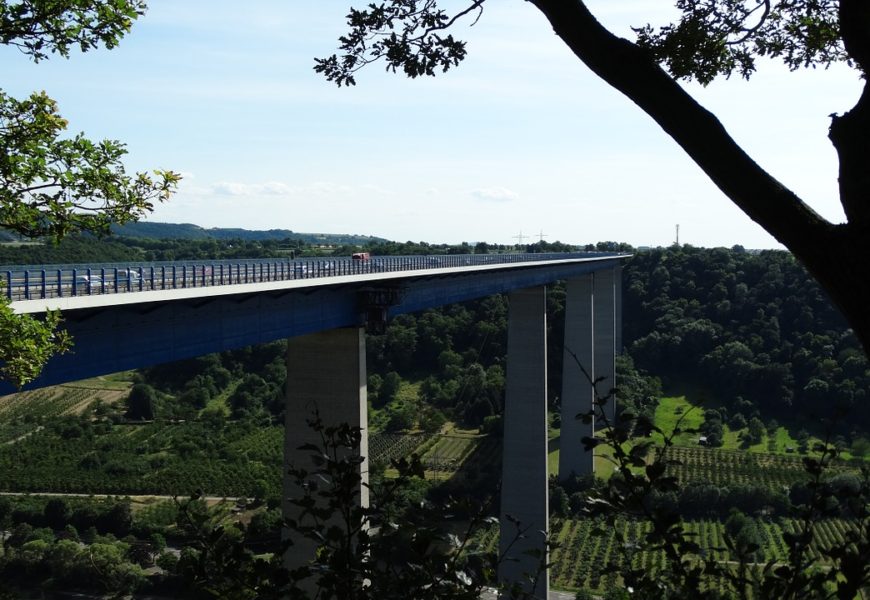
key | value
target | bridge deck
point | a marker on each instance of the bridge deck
(119, 331)
(82, 286)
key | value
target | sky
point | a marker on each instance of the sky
(520, 139)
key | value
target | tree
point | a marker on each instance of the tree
(26, 343)
(756, 430)
(51, 184)
(56, 513)
(711, 38)
(140, 402)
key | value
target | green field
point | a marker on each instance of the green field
(677, 412)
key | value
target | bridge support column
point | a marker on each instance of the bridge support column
(604, 331)
(617, 303)
(326, 371)
(524, 494)
(577, 393)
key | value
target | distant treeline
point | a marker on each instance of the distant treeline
(145, 242)
(188, 231)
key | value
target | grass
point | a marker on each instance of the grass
(116, 382)
(553, 453)
(221, 401)
(677, 412)
(408, 393)
(671, 408)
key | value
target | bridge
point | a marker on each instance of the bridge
(136, 315)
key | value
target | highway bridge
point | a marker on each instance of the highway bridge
(125, 316)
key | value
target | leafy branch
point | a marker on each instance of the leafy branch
(26, 343)
(36, 27)
(50, 186)
(406, 34)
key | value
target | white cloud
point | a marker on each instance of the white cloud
(496, 194)
(268, 188)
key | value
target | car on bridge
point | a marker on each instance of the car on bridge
(85, 279)
(130, 274)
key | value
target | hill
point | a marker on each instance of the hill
(189, 231)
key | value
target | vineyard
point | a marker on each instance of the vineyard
(589, 553)
(449, 452)
(442, 455)
(722, 467)
(48, 449)
(144, 459)
(385, 447)
(22, 413)
(180, 458)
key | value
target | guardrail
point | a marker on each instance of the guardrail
(53, 281)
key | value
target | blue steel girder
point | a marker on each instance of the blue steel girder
(114, 338)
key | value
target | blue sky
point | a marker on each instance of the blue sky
(520, 138)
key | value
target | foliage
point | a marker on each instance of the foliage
(753, 330)
(46, 548)
(417, 49)
(712, 37)
(171, 233)
(215, 562)
(140, 402)
(76, 455)
(718, 38)
(389, 549)
(644, 482)
(26, 343)
(35, 28)
(373, 552)
(53, 185)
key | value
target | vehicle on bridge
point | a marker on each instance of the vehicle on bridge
(88, 280)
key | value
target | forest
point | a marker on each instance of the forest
(737, 346)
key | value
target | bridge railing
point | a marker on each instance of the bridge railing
(52, 281)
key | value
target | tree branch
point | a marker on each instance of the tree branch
(748, 32)
(630, 70)
(837, 255)
(477, 4)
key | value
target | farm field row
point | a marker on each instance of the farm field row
(153, 458)
(590, 552)
(183, 457)
(180, 458)
(442, 455)
(22, 413)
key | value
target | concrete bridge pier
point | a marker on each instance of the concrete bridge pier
(524, 494)
(604, 334)
(577, 393)
(592, 329)
(326, 371)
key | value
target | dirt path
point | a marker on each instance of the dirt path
(137, 498)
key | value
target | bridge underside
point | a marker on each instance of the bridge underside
(135, 335)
